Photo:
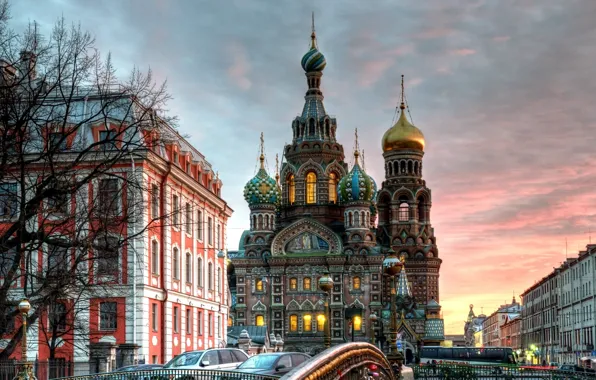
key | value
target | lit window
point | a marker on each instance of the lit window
(306, 283)
(356, 283)
(311, 188)
(357, 323)
(320, 322)
(260, 320)
(259, 286)
(333, 188)
(291, 189)
(307, 319)
(404, 212)
(293, 323)
(293, 284)
(230, 321)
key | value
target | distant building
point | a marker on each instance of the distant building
(472, 326)
(491, 326)
(511, 332)
(456, 340)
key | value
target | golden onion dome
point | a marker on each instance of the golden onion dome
(403, 135)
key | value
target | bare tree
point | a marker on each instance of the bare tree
(70, 205)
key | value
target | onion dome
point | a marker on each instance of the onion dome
(356, 185)
(262, 189)
(313, 60)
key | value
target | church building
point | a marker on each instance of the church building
(317, 216)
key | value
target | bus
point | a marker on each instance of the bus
(468, 355)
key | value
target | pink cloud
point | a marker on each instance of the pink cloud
(373, 71)
(463, 52)
(434, 33)
(240, 67)
(501, 38)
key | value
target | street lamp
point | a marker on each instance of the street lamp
(26, 373)
(326, 284)
(373, 323)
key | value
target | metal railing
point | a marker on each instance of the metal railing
(488, 372)
(175, 374)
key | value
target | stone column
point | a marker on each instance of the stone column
(102, 356)
(129, 352)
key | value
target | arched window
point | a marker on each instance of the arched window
(188, 267)
(410, 168)
(260, 320)
(307, 320)
(311, 127)
(260, 223)
(291, 189)
(363, 219)
(320, 322)
(176, 263)
(357, 219)
(293, 283)
(421, 213)
(293, 323)
(311, 188)
(306, 283)
(327, 129)
(350, 219)
(357, 323)
(404, 212)
(356, 283)
(259, 285)
(267, 222)
(332, 188)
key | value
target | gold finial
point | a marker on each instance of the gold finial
(402, 106)
(262, 157)
(356, 147)
(313, 35)
(402, 258)
(277, 168)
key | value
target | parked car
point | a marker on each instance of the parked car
(138, 367)
(276, 363)
(217, 358)
(123, 373)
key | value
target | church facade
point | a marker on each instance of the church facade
(316, 215)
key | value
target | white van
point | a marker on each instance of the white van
(217, 358)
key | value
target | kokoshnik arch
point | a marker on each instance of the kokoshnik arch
(318, 215)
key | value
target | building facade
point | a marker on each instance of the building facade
(156, 282)
(472, 327)
(319, 215)
(511, 333)
(491, 326)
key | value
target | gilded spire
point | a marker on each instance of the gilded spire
(313, 35)
(277, 169)
(356, 147)
(262, 156)
(402, 105)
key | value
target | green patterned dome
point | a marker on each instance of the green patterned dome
(356, 185)
(262, 189)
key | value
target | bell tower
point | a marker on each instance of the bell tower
(404, 204)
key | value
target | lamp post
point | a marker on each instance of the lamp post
(26, 372)
(326, 284)
(392, 266)
(373, 323)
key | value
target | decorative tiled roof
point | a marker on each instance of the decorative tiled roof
(403, 289)
(434, 329)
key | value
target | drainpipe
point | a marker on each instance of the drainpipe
(134, 258)
(162, 260)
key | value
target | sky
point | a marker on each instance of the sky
(502, 90)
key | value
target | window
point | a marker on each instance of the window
(332, 188)
(109, 197)
(188, 267)
(176, 263)
(176, 158)
(175, 211)
(58, 260)
(108, 314)
(200, 272)
(154, 316)
(293, 323)
(291, 189)
(7, 259)
(154, 257)
(200, 225)
(320, 322)
(218, 237)
(210, 231)
(404, 212)
(307, 320)
(107, 256)
(306, 283)
(311, 188)
(210, 324)
(107, 139)
(260, 320)
(176, 321)
(154, 201)
(218, 282)
(356, 283)
(230, 321)
(57, 142)
(293, 284)
(57, 317)
(188, 218)
(8, 199)
(188, 321)
(210, 276)
(58, 201)
(200, 323)
(259, 285)
(357, 323)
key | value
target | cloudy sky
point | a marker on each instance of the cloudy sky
(501, 89)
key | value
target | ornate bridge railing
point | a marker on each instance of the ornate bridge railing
(174, 374)
(476, 372)
(345, 361)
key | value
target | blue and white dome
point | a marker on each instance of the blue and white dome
(356, 185)
(313, 60)
(262, 189)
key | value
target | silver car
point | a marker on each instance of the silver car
(217, 358)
